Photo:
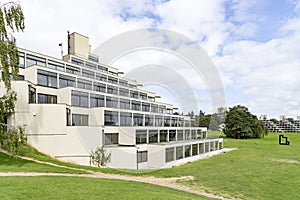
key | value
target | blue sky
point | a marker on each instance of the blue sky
(254, 44)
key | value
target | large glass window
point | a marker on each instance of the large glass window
(123, 92)
(79, 99)
(142, 156)
(187, 123)
(179, 135)
(77, 61)
(21, 60)
(201, 148)
(123, 83)
(187, 134)
(207, 149)
(137, 119)
(31, 94)
(149, 120)
(172, 135)
(90, 65)
(158, 120)
(125, 119)
(93, 58)
(145, 107)
(112, 80)
(84, 84)
(111, 138)
(151, 98)
(111, 118)
(195, 149)
(80, 120)
(134, 94)
(96, 100)
(169, 154)
(102, 68)
(35, 60)
(163, 136)
(174, 122)
(88, 74)
(48, 79)
(162, 109)
(101, 77)
(112, 89)
(179, 152)
(193, 134)
(141, 136)
(56, 65)
(187, 151)
(167, 121)
(124, 104)
(65, 81)
(143, 96)
(153, 136)
(136, 105)
(73, 70)
(46, 98)
(181, 122)
(154, 108)
(99, 87)
(112, 102)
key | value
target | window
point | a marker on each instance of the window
(174, 121)
(162, 109)
(124, 104)
(111, 102)
(201, 148)
(113, 73)
(68, 116)
(142, 156)
(179, 152)
(167, 121)
(80, 120)
(77, 61)
(65, 81)
(221, 145)
(48, 79)
(84, 84)
(111, 118)
(112, 89)
(206, 148)
(153, 136)
(31, 94)
(112, 80)
(91, 65)
(141, 136)
(132, 86)
(170, 154)
(179, 135)
(148, 120)
(199, 134)
(158, 120)
(73, 70)
(101, 77)
(123, 83)
(136, 105)
(163, 136)
(79, 99)
(21, 60)
(145, 107)
(137, 119)
(212, 146)
(195, 149)
(193, 134)
(99, 87)
(154, 108)
(56, 65)
(92, 58)
(143, 96)
(103, 69)
(123, 92)
(169, 111)
(151, 99)
(111, 138)
(46, 98)
(125, 119)
(35, 60)
(187, 151)
(134, 94)
(87, 74)
(187, 135)
(181, 122)
(187, 123)
(96, 100)
(172, 135)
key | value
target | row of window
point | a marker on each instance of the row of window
(86, 100)
(114, 118)
(185, 151)
(156, 136)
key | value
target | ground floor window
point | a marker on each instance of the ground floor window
(153, 136)
(195, 149)
(201, 148)
(142, 156)
(179, 152)
(187, 151)
(80, 120)
(111, 138)
(163, 136)
(179, 135)
(170, 154)
(141, 137)
(172, 135)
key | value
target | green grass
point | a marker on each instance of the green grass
(249, 172)
(14, 164)
(84, 188)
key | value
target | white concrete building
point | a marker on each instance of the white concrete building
(71, 106)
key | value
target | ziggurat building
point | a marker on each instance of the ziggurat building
(71, 106)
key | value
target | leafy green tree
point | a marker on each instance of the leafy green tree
(11, 21)
(100, 157)
(240, 123)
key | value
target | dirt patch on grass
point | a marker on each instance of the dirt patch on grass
(285, 161)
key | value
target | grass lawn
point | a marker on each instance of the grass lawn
(259, 169)
(84, 188)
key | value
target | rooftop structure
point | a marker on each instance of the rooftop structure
(71, 106)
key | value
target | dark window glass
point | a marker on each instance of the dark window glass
(195, 149)
(112, 89)
(167, 121)
(172, 135)
(65, 81)
(35, 60)
(187, 134)
(179, 152)
(96, 100)
(158, 120)
(153, 136)
(123, 83)
(73, 70)
(87, 74)
(136, 105)
(201, 148)
(112, 102)
(111, 118)
(99, 87)
(174, 122)
(91, 65)
(112, 80)
(111, 138)
(21, 60)
(77, 61)
(138, 119)
(48, 79)
(149, 120)
(103, 69)
(31, 94)
(56, 65)
(162, 109)
(154, 108)
(169, 154)
(46, 98)
(187, 151)
(84, 84)
(134, 94)
(123, 92)
(79, 99)
(68, 117)
(80, 120)
(145, 107)
(93, 58)
(141, 136)
(125, 119)
(124, 104)
(163, 136)
(179, 135)
(143, 96)
(142, 156)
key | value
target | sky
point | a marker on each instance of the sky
(253, 44)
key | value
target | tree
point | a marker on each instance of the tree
(240, 123)
(99, 157)
(11, 20)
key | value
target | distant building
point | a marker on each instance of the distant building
(282, 125)
(71, 106)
